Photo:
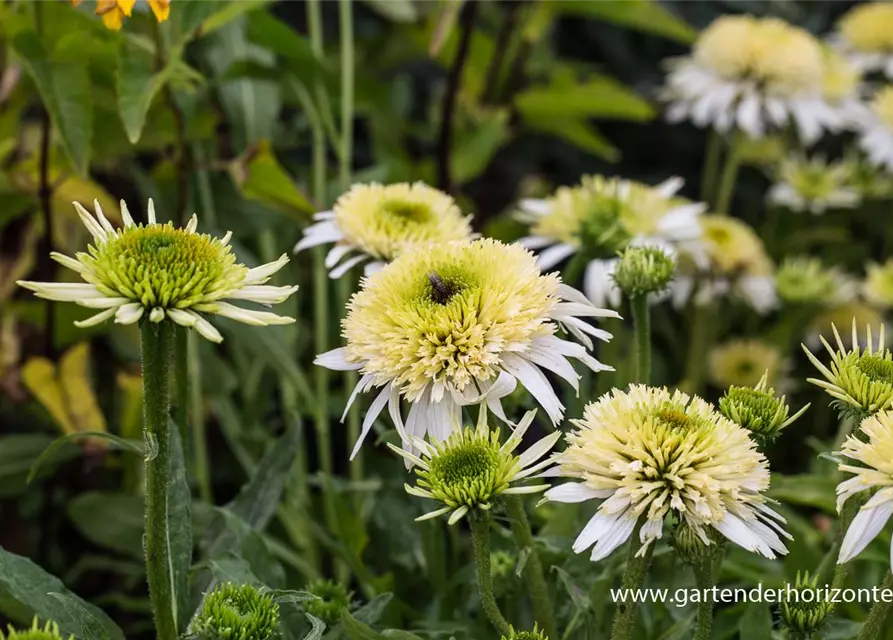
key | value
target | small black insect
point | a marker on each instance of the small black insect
(441, 292)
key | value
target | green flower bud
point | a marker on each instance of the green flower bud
(331, 599)
(236, 612)
(536, 634)
(644, 270)
(691, 547)
(49, 631)
(805, 607)
(805, 280)
(758, 410)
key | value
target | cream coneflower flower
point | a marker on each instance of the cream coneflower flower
(648, 452)
(376, 223)
(459, 324)
(805, 280)
(878, 286)
(471, 468)
(752, 74)
(860, 381)
(814, 185)
(842, 315)
(158, 271)
(873, 453)
(876, 138)
(601, 216)
(865, 37)
(737, 266)
(743, 362)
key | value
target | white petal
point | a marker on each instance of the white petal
(554, 254)
(571, 492)
(99, 234)
(129, 313)
(536, 383)
(193, 224)
(336, 359)
(371, 414)
(62, 291)
(259, 275)
(105, 224)
(535, 206)
(67, 261)
(669, 187)
(335, 254)
(150, 212)
(539, 449)
(156, 315)
(263, 294)
(246, 316)
(125, 215)
(320, 233)
(598, 281)
(183, 318)
(535, 242)
(346, 266)
(102, 303)
(373, 267)
(207, 330)
(864, 528)
(94, 320)
(363, 385)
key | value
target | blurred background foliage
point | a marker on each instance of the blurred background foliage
(212, 112)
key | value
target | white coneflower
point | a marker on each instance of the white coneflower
(471, 468)
(601, 216)
(648, 452)
(877, 132)
(753, 74)
(158, 272)
(873, 453)
(859, 380)
(459, 324)
(375, 223)
(743, 362)
(865, 36)
(878, 286)
(737, 267)
(806, 280)
(814, 185)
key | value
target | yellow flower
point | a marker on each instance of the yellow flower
(842, 315)
(161, 9)
(868, 28)
(840, 78)
(113, 12)
(734, 246)
(882, 105)
(743, 362)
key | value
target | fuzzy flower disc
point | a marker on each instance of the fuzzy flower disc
(376, 223)
(235, 612)
(648, 452)
(158, 271)
(460, 323)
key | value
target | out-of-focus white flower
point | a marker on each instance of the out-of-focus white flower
(814, 185)
(594, 220)
(865, 36)
(876, 138)
(754, 74)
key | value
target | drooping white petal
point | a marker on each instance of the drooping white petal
(571, 492)
(102, 316)
(156, 315)
(536, 383)
(62, 291)
(457, 515)
(371, 415)
(335, 254)
(864, 528)
(366, 382)
(207, 330)
(535, 242)
(336, 359)
(320, 233)
(246, 316)
(263, 294)
(102, 303)
(554, 254)
(345, 266)
(182, 317)
(129, 313)
(670, 186)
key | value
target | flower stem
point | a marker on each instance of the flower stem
(711, 166)
(533, 570)
(200, 467)
(156, 342)
(728, 179)
(874, 624)
(642, 324)
(181, 380)
(633, 578)
(704, 571)
(480, 540)
(700, 340)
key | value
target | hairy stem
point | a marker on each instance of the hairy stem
(480, 539)
(711, 166)
(454, 79)
(156, 342)
(728, 179)
(533, 570)
(642, 324)
(182, 385)
(633, 578)
(874, 623)
(704, 578)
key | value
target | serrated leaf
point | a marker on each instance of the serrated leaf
(120, 443)
(643, 15)
(399, 11)
(63, 81)
(26, 590)
(137, 83)
(89, 627)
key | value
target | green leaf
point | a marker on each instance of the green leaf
(476, 149)
(593, 98)
(756, 623)
(290, 596)
(110, 520)
(357, 630)
(263, 179)
(137, 84)
(643, 15)
(578, 133)
(397, 634)
(180, 529)
(89, 627)
(63, 81)
(318, 628)
(134, 446)
(231, 11)
(810, 490)
(268, 31)
(18, 451)
(400, 11)
(26, 591)
(373, 610)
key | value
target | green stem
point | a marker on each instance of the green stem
(480, 540)
(700, 340)
(181, 379)
(572, 273)
(633, 578)
(711, 166)
(642, 324)
(874, 624)
(704, 572)
(156, 342)
(728, 179)
(533, 570)
(200, 467)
